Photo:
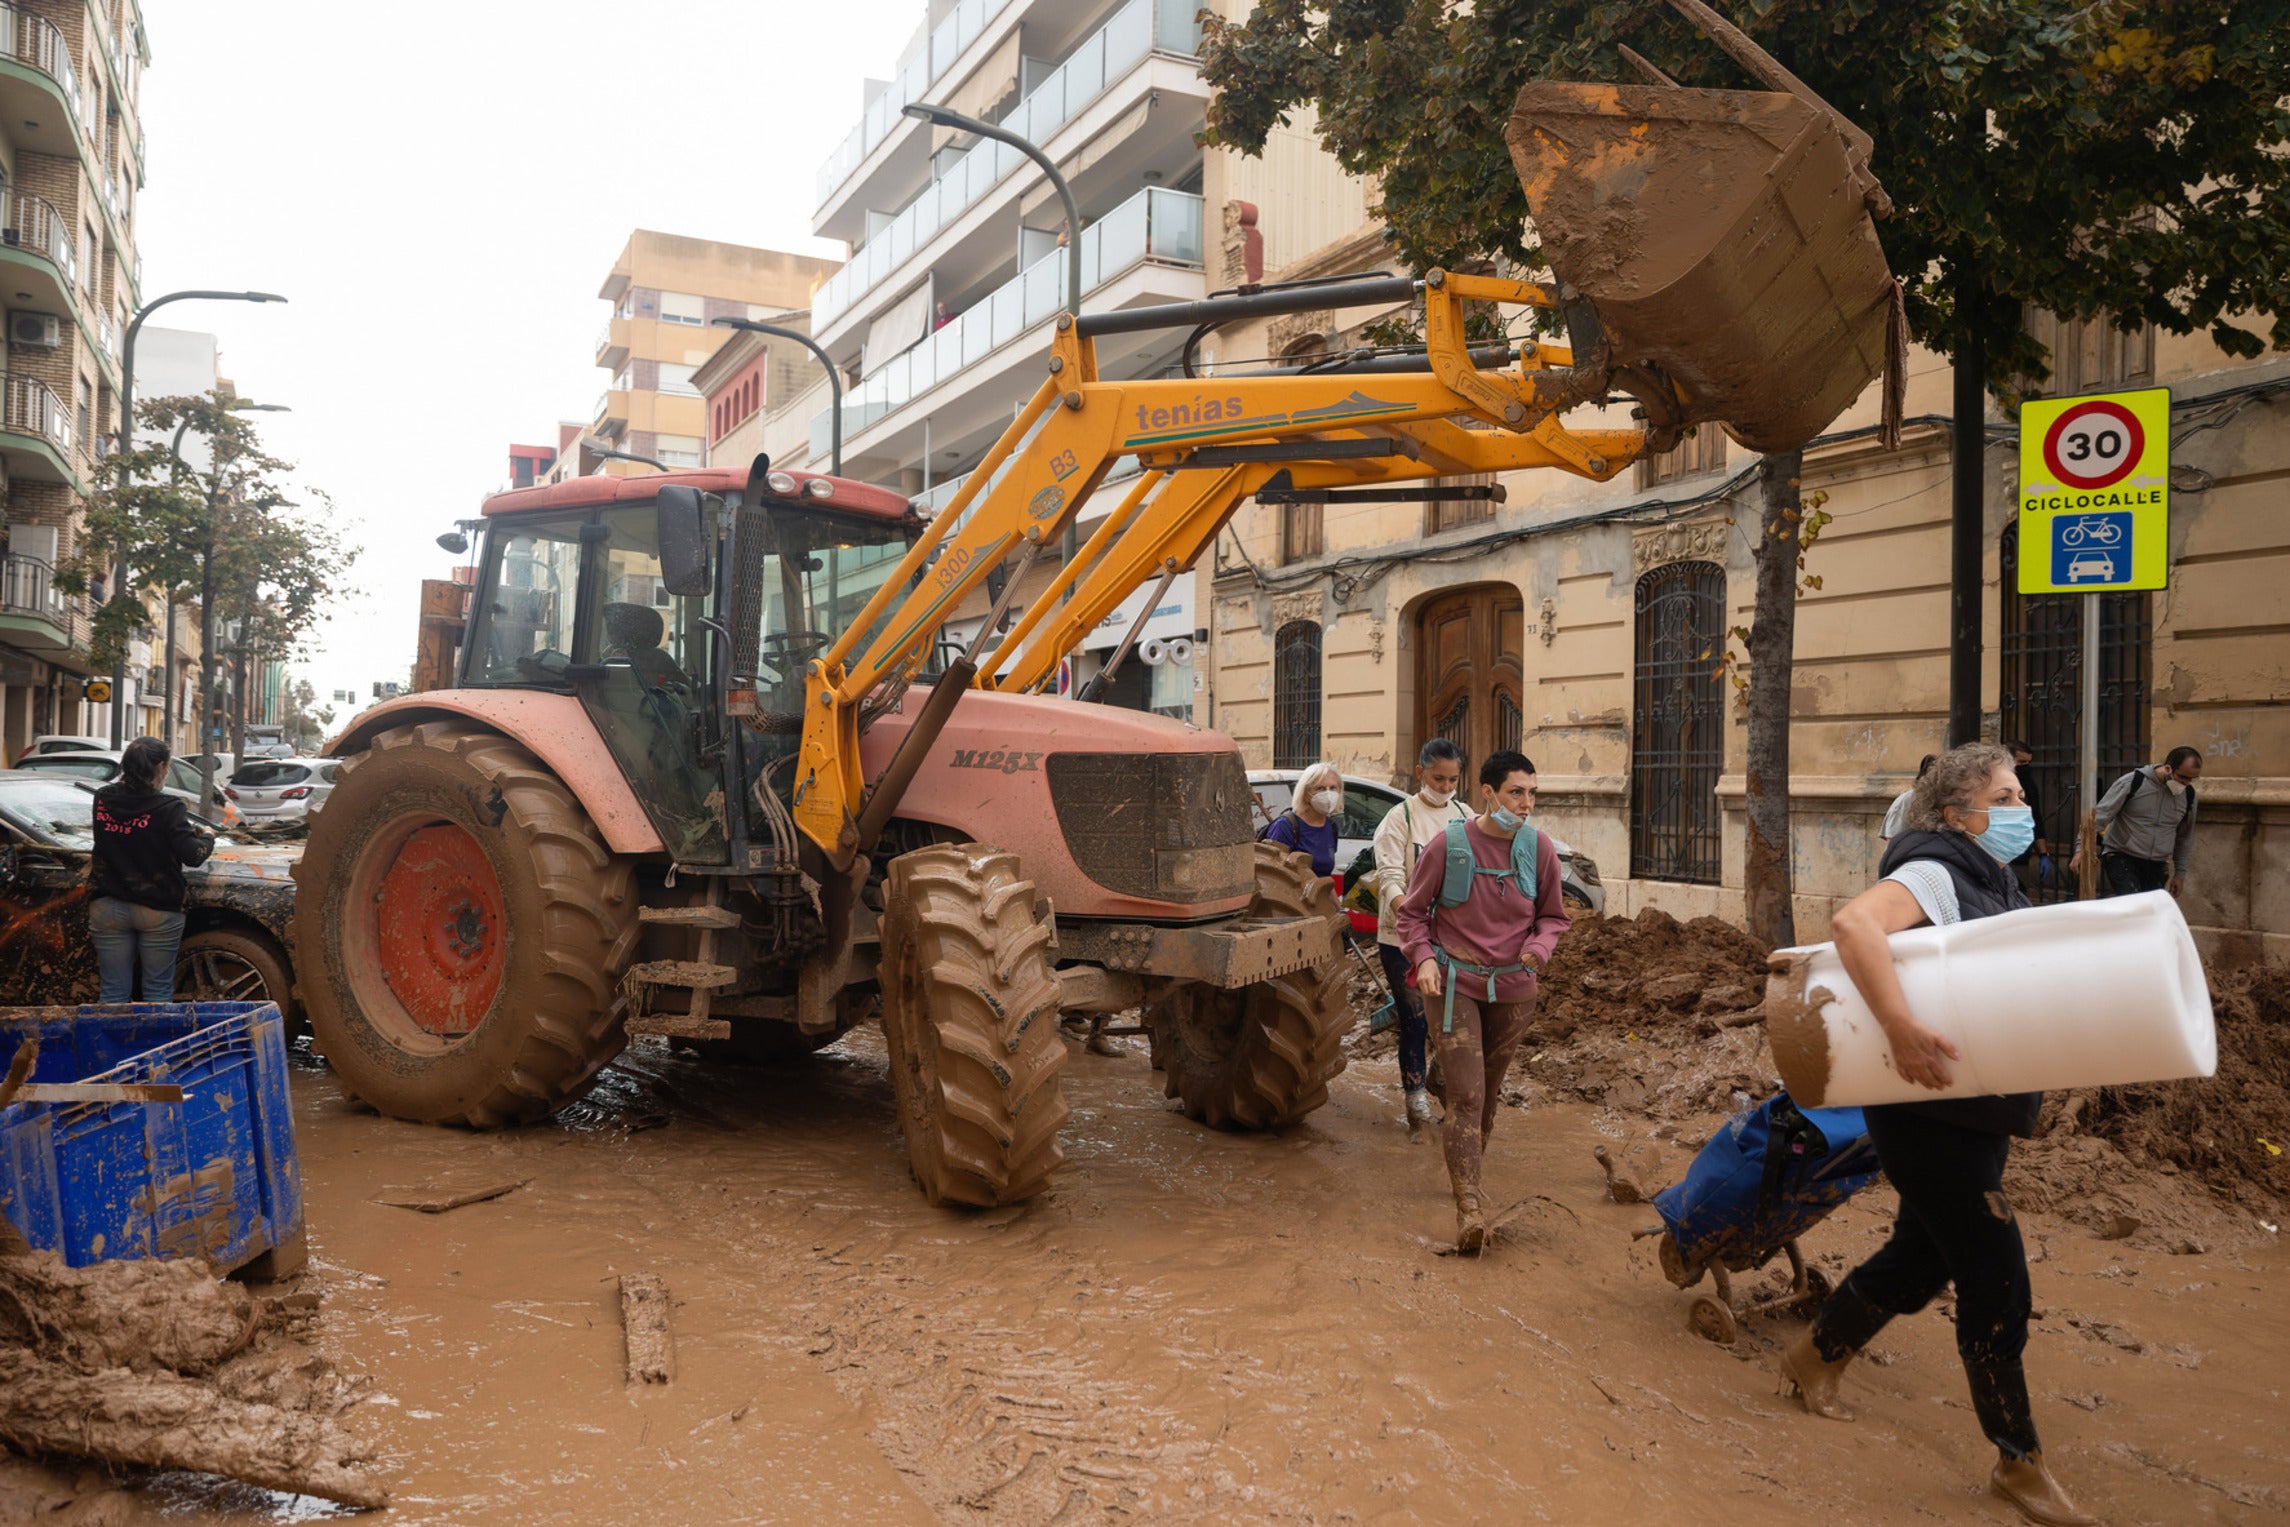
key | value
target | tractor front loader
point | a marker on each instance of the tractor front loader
(708, 772)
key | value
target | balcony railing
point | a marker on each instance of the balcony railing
(1137, 29)
(1156, 224)
(34, 410)
(33, 223)
(28, 587)
(107, 334)
(948, 42)
(35, 40)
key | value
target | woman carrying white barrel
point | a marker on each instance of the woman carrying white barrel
(1967, 823)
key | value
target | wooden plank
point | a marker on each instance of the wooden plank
(689, 917)
(99, 1092)
(680, 1026)
(693, 973)
(644, 1320)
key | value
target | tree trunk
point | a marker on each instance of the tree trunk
(1769, 884)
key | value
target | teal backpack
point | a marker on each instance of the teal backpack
(1463, 868)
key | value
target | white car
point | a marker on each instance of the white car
(1367, 803)
(282, 789)
(102, 767)
(58, 742)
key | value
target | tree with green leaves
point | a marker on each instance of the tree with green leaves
(2089, 157)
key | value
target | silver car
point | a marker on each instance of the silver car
(101, 768)
(282, 789)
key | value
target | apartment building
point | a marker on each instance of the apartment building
(750, 377)
(71, 168)
(940, 321)
(666, 290)
(1582, 621)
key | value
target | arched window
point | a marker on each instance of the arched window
(1296, 695)
(1677, 734)
(2041, 645)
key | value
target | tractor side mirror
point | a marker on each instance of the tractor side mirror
(682, 531)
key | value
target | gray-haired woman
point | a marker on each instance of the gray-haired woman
(1967, 824)
(143, 839)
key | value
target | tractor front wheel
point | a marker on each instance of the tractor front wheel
(1260, 1057)
(462, 930)
(970, 1008)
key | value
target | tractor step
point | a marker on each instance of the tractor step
(691, 973)
(680, 1026)
(690, 917)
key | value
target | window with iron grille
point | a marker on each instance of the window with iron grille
(1296, 695)
(1300, 531)
(1677, 734)
(1455, 513)
(2042, 699)
(1702, 451)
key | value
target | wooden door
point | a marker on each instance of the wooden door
(1471, 672)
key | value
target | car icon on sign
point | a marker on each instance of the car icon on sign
(2093, 565)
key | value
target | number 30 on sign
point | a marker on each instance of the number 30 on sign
(2095, 492)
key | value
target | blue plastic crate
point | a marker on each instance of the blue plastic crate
(214, 1175)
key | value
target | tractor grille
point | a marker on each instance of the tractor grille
(1167, 826)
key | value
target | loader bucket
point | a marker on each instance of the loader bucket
(1722, 235)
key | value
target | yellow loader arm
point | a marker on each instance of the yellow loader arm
(1206, 444)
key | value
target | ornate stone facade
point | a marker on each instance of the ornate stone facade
(1694, 541)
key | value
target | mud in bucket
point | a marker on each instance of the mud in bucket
(2087, 994)
(1723, 236)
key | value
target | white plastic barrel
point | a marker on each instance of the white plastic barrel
(2084, 994)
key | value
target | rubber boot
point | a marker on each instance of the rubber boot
(1815, 1378)
(2028, 1484)
(1418, 1110)
(1470, 1222)
(1098, 1044)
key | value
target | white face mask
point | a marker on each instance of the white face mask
(1326, 801)
(2177, 785)
(1437, 797)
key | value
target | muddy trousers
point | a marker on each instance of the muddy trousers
(1412, 1029)
(1954, 1227)
(1474, 1057)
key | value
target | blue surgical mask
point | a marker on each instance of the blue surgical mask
(2011, 829)
(1506, 821)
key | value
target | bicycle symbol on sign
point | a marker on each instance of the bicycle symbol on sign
(2094, 530)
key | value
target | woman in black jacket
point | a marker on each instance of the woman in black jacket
(143, 839)
(1967, 824)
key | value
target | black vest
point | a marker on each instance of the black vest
(1984, 888)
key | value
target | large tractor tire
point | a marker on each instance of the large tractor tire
(970, 1008)
(462, 930)
(1260, 1057)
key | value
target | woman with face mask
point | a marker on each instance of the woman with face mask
(1966, 825)
(1309, 825)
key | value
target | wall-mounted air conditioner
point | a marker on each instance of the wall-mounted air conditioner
(41, 331)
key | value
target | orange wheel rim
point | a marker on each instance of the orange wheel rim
(443, 937)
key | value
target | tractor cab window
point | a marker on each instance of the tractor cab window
(651, 703)
(817, 576)
(522, 626)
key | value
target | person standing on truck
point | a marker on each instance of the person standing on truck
(2147, 827)
(1308, 826)
(1480, 917)
(143, 839)
(1945, 1157)
(1418, 819)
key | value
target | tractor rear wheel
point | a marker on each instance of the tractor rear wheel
(970, 1008)
(1260, 1057)
(462, 930)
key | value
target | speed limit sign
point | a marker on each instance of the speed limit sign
(2095, 485)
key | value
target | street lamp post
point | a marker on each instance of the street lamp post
(940, 116)
(239, 405)
(834, 380)
(127, 443)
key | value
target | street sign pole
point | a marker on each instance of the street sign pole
(2087, 770)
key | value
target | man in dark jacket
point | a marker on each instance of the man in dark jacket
(143, 839)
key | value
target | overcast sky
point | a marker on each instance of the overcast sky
(439, 190)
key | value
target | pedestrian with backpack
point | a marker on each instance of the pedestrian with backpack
(1308, 826)
(1418, 820)
(2147, 827)
(1478, 923)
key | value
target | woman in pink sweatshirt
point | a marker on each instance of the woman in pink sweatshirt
(1476, 963)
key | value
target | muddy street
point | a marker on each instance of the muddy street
(1190, 1326)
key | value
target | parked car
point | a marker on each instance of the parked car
(1367, 803)
(236, 939)
(182, 780)
(58, 742)
(281, 789)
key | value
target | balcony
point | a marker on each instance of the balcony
(1154, 227)
(612, 343)
(32, 614)
(36, 42)
(38, 417)
(1137, 30)
(948, 42)
(35, 227)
